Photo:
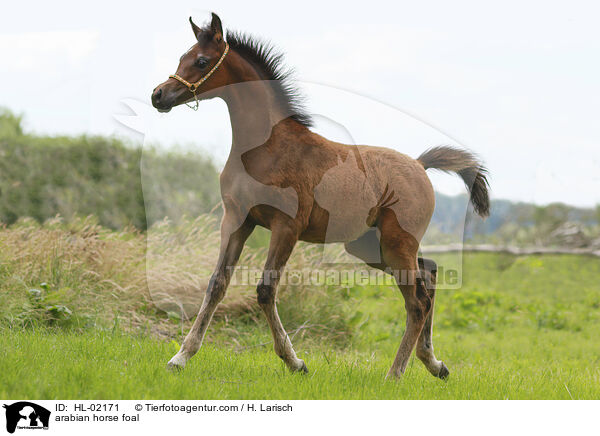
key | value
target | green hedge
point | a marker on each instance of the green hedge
(42, 176)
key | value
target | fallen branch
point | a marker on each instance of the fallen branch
(508, 249)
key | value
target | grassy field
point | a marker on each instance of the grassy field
(494, 365)
(511, 364)
(76, 321)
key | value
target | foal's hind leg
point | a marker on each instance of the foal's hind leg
(367, 248)
(399, 249)
(424, 350)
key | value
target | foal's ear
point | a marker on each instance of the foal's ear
(197, 31)
(215, 25)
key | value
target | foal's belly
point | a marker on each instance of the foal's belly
(346, 198)
(325, 227)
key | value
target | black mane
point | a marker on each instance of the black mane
(269, 62)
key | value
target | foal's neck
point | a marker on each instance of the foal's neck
(253, 108)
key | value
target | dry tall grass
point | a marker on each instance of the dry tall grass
(80, 266)
(81, 274)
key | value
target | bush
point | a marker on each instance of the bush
(42, 176)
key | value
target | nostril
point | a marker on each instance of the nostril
(156, 95)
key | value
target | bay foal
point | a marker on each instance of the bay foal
(282, 176)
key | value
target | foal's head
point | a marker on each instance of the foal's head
(194, 65)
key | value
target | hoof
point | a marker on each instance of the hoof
(174, 367)
(444, 373)
(176, 364)
(393, 375)
(301, 368)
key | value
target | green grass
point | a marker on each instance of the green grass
(519, 328)
(500, 365)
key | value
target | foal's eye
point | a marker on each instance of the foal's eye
(202, 62)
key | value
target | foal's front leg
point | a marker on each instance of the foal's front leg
(283, 240)
(232, 243)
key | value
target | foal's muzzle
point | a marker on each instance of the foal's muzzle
(161, 100)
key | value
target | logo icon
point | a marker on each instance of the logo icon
(26, 415)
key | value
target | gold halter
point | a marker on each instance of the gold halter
(193, 87)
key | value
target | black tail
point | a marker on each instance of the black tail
(466, 165)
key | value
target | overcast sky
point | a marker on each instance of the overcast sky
(517, 82)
